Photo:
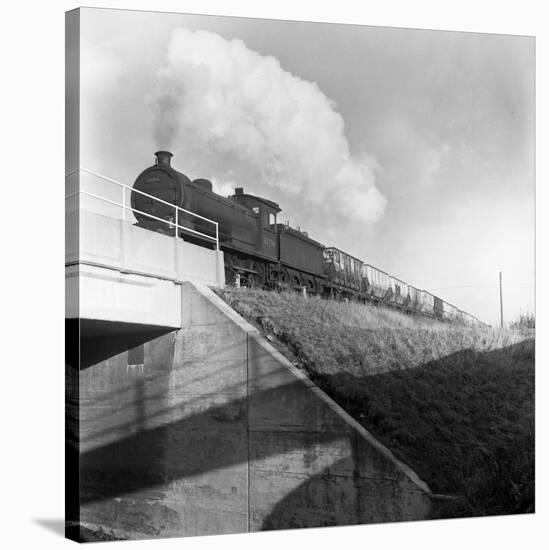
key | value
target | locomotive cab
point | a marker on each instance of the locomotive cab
(266, 212)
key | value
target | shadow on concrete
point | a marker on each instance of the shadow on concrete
(139, 437)
(214, 439)
(86, 344)
(295, 511)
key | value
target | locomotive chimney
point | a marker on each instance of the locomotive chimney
(163, 157)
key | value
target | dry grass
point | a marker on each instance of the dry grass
(328, 337)
(456, 403)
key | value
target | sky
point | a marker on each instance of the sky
(412, 150)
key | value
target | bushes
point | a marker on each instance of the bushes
(464, 423)
(524, 322)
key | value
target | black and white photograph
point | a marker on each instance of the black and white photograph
(282, 275)
(300, 275)
(301, 279)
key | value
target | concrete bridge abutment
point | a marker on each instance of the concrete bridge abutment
(207, 429)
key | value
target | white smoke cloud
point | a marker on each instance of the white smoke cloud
(223, 188)
(220, 106)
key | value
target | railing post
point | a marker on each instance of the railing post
(176, 220)
(217, 236)
(123, 203)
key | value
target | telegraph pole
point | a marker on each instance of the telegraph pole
(500, 300)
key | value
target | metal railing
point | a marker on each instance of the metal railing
(172, 224)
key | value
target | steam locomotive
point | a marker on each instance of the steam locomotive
(260, 252)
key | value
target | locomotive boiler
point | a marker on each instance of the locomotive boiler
(257, 248)
(237, 225)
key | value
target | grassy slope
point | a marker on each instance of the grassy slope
(455, 403)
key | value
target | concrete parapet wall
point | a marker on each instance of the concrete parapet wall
(216, 432)
(117, 272)
(118, 244)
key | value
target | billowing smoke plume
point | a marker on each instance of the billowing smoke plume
(235, 115)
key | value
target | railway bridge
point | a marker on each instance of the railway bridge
(181, 419)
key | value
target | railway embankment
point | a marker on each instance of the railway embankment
(454, 402)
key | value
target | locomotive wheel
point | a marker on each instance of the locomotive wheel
(261, 277)
(284, 278)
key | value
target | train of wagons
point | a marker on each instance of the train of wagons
(259, 252)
